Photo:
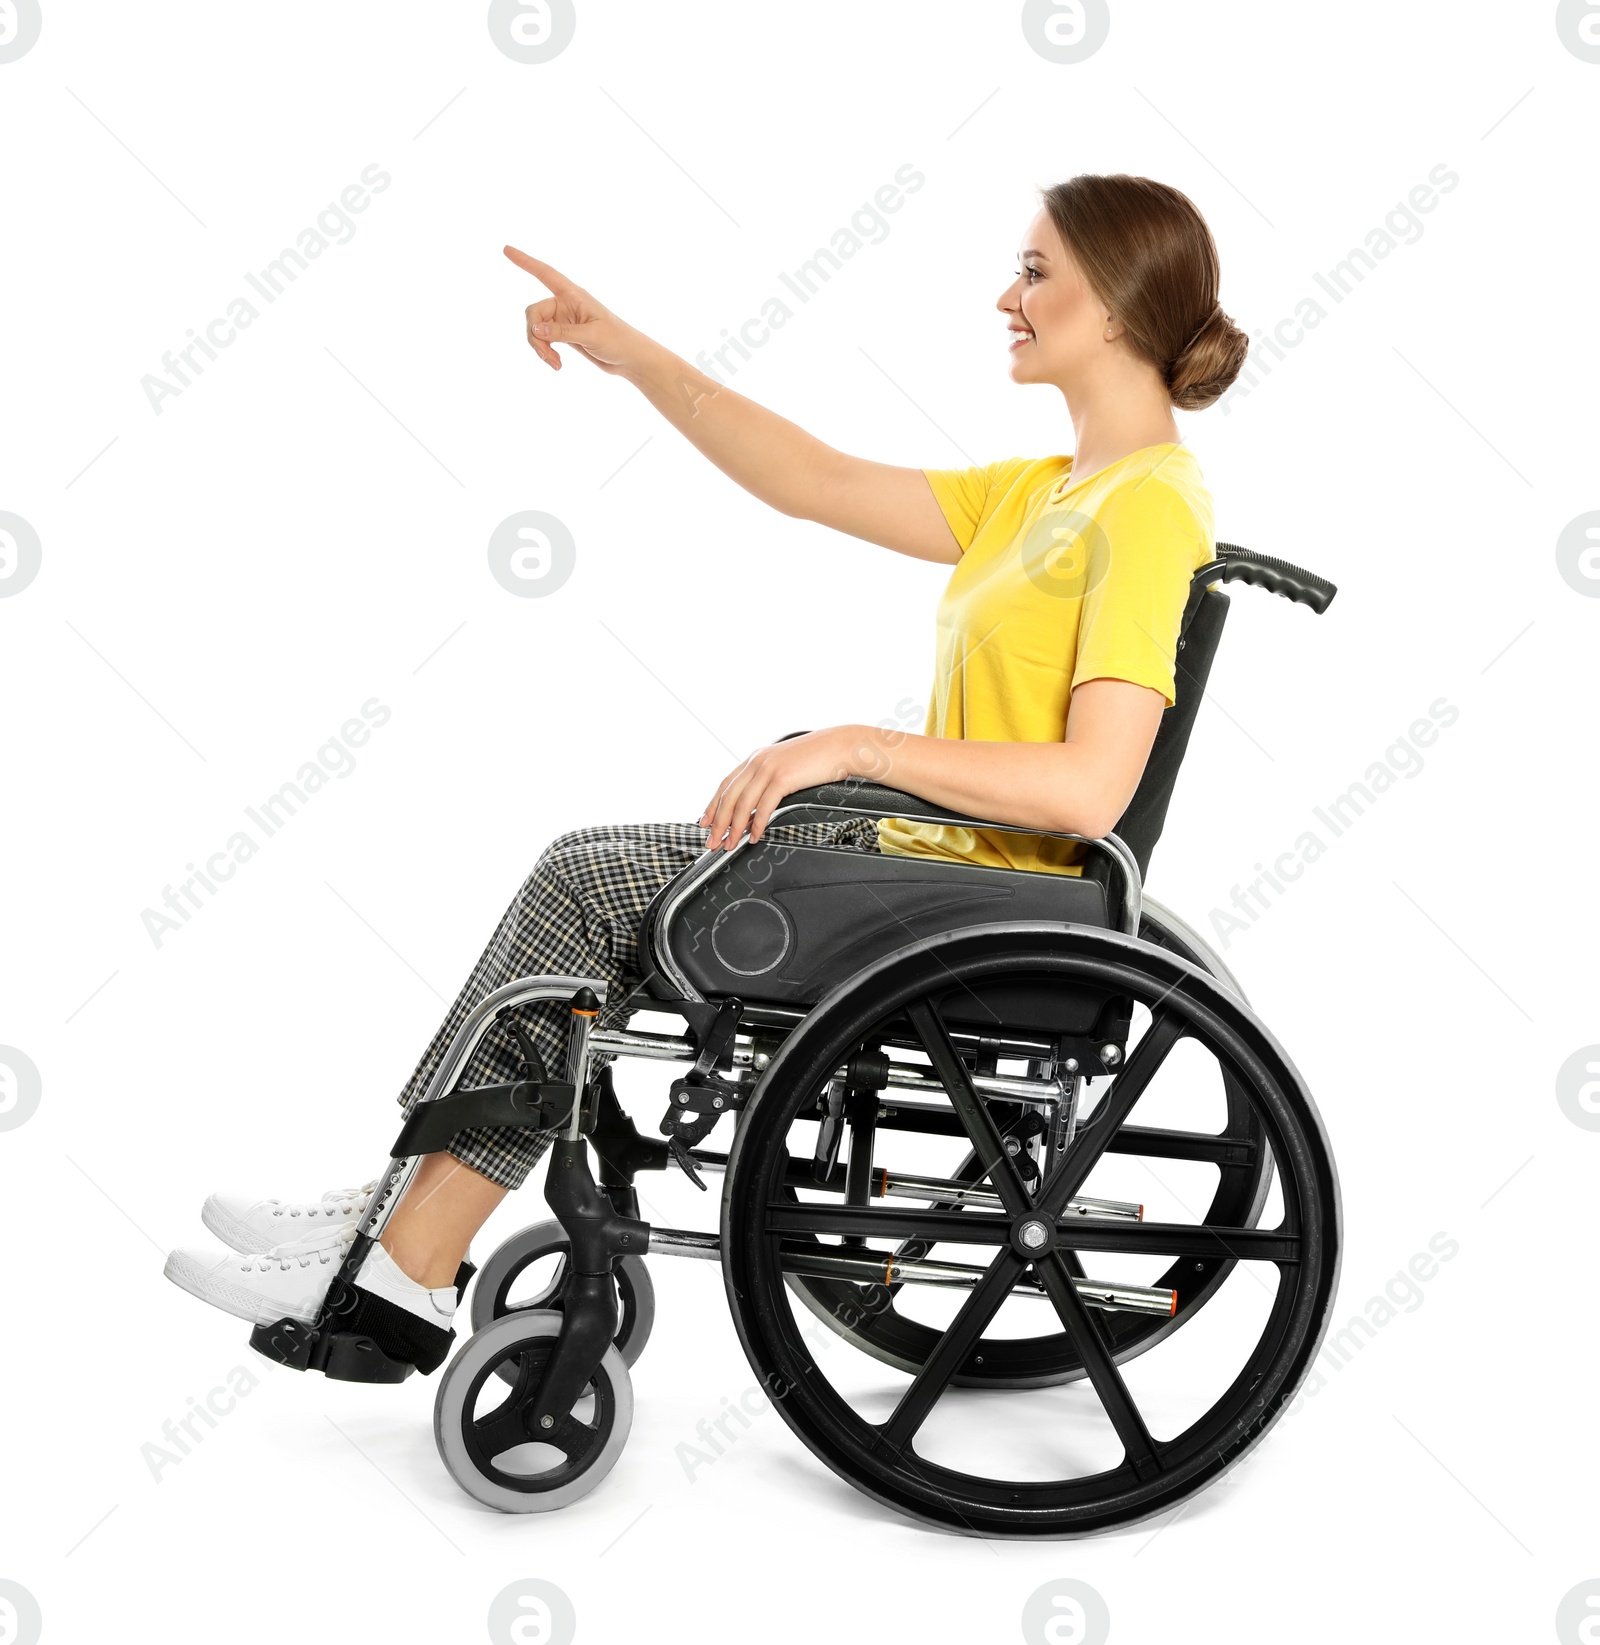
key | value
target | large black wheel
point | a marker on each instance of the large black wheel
(1124, 1441)
(869, 1315)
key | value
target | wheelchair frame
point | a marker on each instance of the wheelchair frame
(733, 1049)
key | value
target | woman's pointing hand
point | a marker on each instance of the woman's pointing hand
(570, 315)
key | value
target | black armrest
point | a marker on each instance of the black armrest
(868, 799)
(873, 800)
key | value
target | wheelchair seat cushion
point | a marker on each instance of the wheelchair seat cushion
(783, 924)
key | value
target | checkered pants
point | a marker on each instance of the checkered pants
(578, 914)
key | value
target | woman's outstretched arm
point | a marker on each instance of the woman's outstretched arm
(772, 458)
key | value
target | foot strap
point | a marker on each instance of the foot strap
(396, 1331)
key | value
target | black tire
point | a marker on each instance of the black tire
(491, 1290)
(885, 1002)
(867, 1316)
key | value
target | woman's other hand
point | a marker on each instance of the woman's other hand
(754, 789)
(570, 315)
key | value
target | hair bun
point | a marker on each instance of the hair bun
(1208, 363)
(1147, 254)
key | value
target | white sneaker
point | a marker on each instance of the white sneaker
(288, 1283)
(257, 1225)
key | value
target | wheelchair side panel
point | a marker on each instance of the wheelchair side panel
(784, 924)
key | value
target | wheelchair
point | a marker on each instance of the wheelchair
(954, 1092)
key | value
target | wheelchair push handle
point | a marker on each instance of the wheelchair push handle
(1240, 565)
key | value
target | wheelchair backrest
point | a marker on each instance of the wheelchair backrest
(1141, 824)
(1198, 636)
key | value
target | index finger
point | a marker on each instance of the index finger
(554, 281)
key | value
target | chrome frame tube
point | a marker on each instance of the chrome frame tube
(624, 1042)
(629, 1042)
(581, 1027)
(906, 1185)
(684, 1242)
(633, 1042)
(1108, 1296)
(397, 1174)
(1019, 1086)
(1064, 1121)
(1104, 1295)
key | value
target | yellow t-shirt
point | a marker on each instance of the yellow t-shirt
(1057, 583)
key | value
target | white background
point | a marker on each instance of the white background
(304, 528)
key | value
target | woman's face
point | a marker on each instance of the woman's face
(1056, 325)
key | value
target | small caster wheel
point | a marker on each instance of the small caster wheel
(480, 1428)
(491, 1291)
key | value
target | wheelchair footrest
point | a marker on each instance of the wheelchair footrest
(346, 1356)
(403, 1342)
(356, 1358)
(286, 1341)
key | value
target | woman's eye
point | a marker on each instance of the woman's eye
(1032, 273)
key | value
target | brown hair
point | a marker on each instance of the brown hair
(1148, 254)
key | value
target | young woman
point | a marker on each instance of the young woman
(1056, 639)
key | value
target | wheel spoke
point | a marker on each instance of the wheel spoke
(1179, 1239)
(861, 1110)
(1069, 1260)
(961, 1227)
(502, 1429)
(570, 1436)
(1154, 1142)
(1126, 1089)
(1172, 1239)
(1102, 1369)
(952, 1349)
(980, 1126)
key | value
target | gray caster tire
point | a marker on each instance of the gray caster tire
(481, 1443)
(491, 1290)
